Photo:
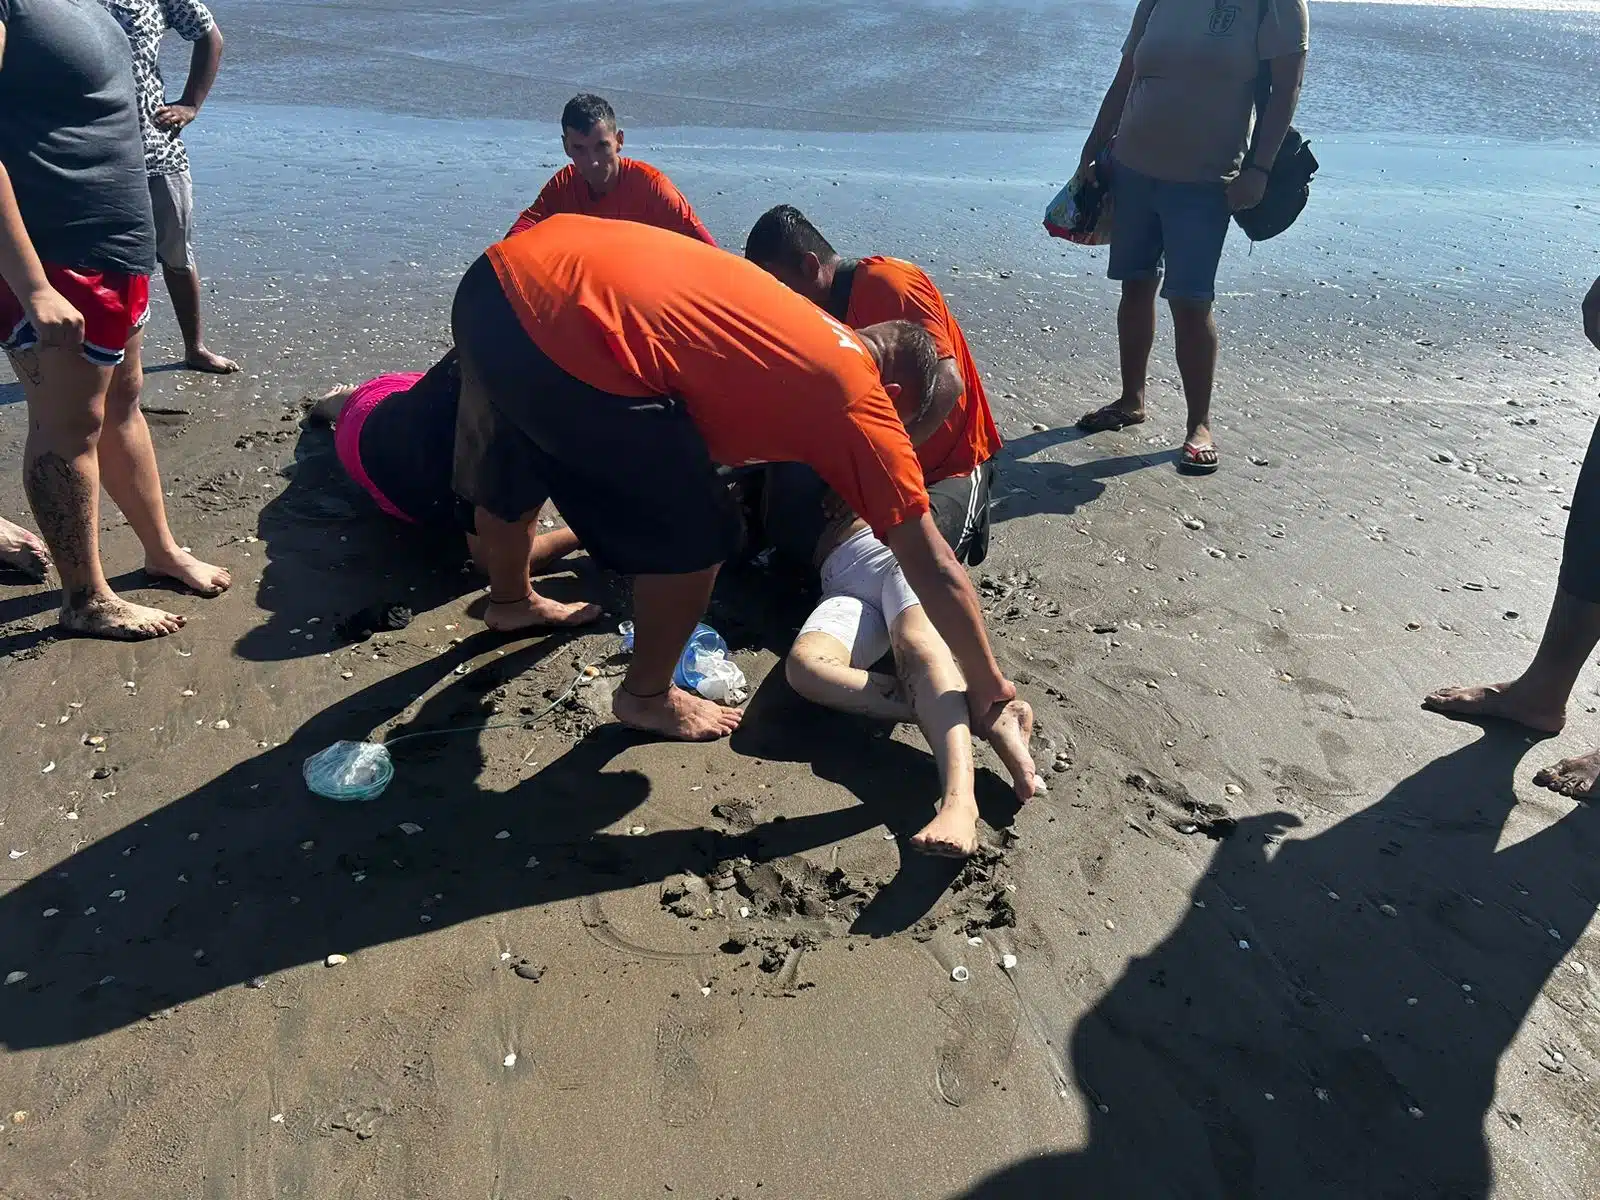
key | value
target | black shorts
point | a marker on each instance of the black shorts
(407, 447)
(960, 507)
(1580, 553)
(631, 475)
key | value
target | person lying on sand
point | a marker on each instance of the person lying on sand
(1538, 697)
(609, 365)
(395, 435)
(602, 183)
(867, 609)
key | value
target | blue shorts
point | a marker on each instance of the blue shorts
(1185, 223)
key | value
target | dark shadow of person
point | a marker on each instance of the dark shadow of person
(894, 783)
(1026, 489)
(251, 874)
(1352, 1049)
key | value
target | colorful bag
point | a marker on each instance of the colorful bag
(1081, 211)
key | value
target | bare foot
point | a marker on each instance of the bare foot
(327, 408)
(112, 617)
(538, 612)
(201, 578)
(1504, 701)
(23, 551)
(201, 359)
(675, 714)
(952, 834)
(1573, 777)
(1009, 735)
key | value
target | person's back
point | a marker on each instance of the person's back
(600, 182)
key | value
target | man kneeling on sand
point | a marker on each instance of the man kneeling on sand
(395, 436)
(868, 609)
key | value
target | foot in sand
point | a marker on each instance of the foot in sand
(110, 616)
(1009, 735)
(23, 551)
(537, 612)
(201, 359)
(1573, 777)
(1126, 411)
(327, 408)
(1516, 701)
(675, 714)
(179, 565)
(952, 834)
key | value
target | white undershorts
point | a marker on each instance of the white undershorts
(863, 593)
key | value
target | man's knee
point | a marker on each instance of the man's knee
(122, 397)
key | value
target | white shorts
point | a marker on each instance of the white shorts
(863, 593)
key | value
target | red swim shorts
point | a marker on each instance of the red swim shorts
(114, 307)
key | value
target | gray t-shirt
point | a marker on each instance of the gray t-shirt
(1188, 114)
(69, 136)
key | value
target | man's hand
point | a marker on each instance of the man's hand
(174, 117)
(984, 711)
(1247, 188)
(54, 319)
(1591, 314)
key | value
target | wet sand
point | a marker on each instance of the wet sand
(1279, 933)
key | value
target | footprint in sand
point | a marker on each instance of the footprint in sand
(977, 1046)
(685, 1090)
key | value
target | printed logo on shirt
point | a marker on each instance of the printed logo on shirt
(1223, 19)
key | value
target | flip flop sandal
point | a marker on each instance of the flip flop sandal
(1107, 420)
(1190, 462)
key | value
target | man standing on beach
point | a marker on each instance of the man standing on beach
(602, 183)
(1538, 697)
(957, 437)
(608, 364)
(161, 125)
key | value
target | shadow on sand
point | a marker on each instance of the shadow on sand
(1352, 1050)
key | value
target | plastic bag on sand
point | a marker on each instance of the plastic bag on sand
(717, 677)
(1081, 211)
(349, 771)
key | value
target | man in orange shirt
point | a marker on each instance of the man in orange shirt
(601, 183)
(957, 439)
(608, 365)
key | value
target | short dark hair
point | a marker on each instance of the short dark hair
(584, 111)
(914, 362)
(783, 236)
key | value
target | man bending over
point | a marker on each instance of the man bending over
(602, 183)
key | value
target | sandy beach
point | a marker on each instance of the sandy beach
(1278, 932)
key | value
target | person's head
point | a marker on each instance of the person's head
(908, 365)
(787, 246)
(590, 136)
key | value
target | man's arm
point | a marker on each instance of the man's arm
(1591, 314)
(673, 211)
(1250, 185)
(1110, 114)
(53, 318)
(946, 593)
(193, 22)
(543, 206)
(948, 389)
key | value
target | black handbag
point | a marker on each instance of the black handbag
(1289, 181)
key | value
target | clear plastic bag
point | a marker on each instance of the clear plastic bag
(349, 771)
(704, 666)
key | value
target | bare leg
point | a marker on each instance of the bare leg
(66, 409)
(937, 693)
(1136, 334)
(23, 551)
(183, 285)
(1538, 697)
(1195, 332)
(506, 548)
(818, 668)
(551, 547)
(665, 610)
(128, 470)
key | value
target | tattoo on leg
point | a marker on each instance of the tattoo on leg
(26, 365)
(62, 504)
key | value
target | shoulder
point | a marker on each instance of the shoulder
(645, 177)
(1285, 27)
(190, 19)
(560, 181)
(887, 289)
